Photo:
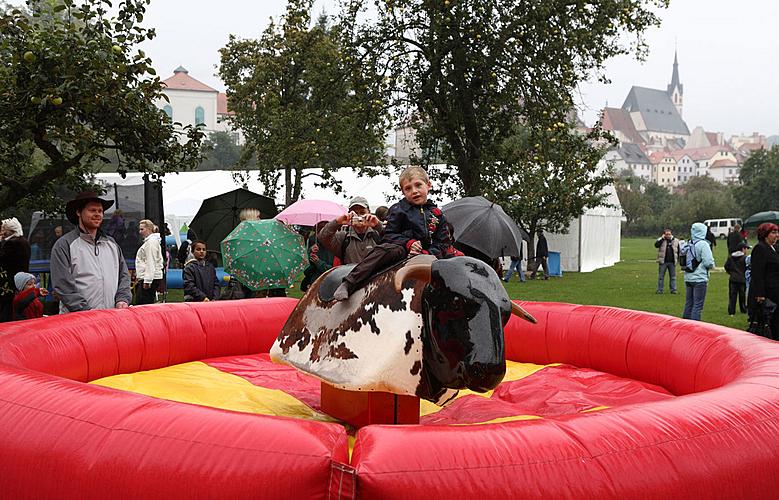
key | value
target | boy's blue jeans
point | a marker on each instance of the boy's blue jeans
(694, 298)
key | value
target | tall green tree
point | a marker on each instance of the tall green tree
(635, 205)
(468, 71)
(759, 182)
(303, 101)
(699, 199)
(548, 177)
(222, 152)
(75, 92)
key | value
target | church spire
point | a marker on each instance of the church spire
(675, 88)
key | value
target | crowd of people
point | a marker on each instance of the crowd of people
(753, 280)
(88, 268)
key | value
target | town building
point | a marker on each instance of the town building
(192, 102)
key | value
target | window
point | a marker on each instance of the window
(723, 223)
(200, 116)
(168, 111)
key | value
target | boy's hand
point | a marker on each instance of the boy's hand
(416, 248)
(371, 220)
(44, 292)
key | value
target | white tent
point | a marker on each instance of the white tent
(593, 239)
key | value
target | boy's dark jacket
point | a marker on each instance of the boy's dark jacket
(26, 304)
(407, 223)
(736, 267)
(200, 281)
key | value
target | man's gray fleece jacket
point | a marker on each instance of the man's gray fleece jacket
(89, 274)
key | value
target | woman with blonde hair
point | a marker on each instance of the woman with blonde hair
(249, 214)
(148, 263)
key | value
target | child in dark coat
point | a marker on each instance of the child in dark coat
(415, 225)
(200, 282)
(26, 304)
(735, 266)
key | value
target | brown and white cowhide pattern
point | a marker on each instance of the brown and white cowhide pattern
(369, 342)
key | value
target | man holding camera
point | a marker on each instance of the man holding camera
(667, 257)
(351, 236)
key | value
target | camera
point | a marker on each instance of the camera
(357, 218)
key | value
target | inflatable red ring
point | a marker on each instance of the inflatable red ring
(60, 437)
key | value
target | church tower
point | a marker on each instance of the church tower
(675, 89)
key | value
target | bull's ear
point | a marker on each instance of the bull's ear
(517, 310)
(421, 272)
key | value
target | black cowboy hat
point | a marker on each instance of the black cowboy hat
(80, 202)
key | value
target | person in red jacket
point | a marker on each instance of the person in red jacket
(26, 304)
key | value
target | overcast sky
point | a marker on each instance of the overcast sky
(727, 53)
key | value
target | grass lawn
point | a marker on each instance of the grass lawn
(629, 284)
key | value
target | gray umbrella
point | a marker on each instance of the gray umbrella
(483, 225)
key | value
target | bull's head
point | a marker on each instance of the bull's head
(465, 308)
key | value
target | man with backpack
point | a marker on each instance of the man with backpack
(351, 236)
(697, 261)
(667, 257)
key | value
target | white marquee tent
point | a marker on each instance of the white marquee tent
(593, 239)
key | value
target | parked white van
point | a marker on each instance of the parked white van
(720, 227)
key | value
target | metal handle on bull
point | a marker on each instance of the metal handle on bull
(423, 272)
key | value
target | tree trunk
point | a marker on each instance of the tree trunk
(287, 186)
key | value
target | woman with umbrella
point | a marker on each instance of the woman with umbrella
(764, 284)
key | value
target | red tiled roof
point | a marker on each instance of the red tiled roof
(712, 137)
(751, 146)
(182, 81)
(658, 157)
(619, 119)
(222, 107)
(706, 153)
(723, 163)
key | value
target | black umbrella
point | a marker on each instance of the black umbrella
(219, 215)
(483, 225)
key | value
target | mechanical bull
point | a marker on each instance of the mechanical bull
(425, 328)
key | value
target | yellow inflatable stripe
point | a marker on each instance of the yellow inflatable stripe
(597, 408)
(514, 371)
(201, 384)
(504, 419)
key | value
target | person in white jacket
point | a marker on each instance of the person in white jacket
(148, 264)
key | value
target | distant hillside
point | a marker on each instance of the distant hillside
(772, 140)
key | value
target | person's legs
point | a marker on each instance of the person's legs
(546, 267)
(732, 294)
(660, 277)
(672, 276)
(742, 301)
(521, 272)
(699, 297)
(381, 256)
(688, 296)
(148, 295)
(512, 266)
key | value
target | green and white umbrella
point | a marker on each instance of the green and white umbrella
(264, 254)
(760, 218)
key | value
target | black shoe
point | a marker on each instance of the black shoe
(673, 292)
(659, 292)
(341, 293)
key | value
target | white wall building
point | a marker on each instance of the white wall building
(192, 102)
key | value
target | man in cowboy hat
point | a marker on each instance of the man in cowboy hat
(88, 270)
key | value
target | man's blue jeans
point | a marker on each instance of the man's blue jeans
(693, 301)
(671, 276)
(515, 266)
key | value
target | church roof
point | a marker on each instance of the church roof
(182, 81)
(619, 119)
(657, 110)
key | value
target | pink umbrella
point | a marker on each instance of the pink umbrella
(309, 212)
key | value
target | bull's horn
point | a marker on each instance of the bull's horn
(421, 272)
(517, 310)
